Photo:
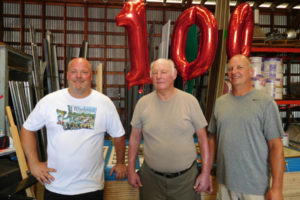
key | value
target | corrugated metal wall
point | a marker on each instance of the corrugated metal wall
(108, 42)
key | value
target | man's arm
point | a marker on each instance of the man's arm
(120, 167)
(277, 169)
(134, 143)
(203, 181)
(38, 169)
(212, 148)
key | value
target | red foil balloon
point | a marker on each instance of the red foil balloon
(133, 18)
(240, 31)
(207, 24)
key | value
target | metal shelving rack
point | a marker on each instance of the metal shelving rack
(292, 54)
(15, 65)
(288, 102)
(275, 49)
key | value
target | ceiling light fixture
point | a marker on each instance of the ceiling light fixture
(283, 5)
(265, 5)
(210, 3)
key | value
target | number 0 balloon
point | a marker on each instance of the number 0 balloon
(207, 24)
(240, 31)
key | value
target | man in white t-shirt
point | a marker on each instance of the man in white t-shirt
(76, 119)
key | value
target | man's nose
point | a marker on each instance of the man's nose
(158, 75)
(78, 74)
(234, 70)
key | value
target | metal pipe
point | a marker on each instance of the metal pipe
(55, 68)
(48, 72)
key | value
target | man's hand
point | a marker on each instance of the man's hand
(203, 184)
(274, 195)
(121, 171)
(134, 180)
(41, 172)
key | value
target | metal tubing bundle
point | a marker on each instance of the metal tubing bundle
(22, 100)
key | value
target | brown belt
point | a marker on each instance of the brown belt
(175, 174)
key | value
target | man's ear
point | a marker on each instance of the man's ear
(251, 71)
(175, 74)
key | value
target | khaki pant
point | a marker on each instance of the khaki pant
(157, 187)
(225, 194)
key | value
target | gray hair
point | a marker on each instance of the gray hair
(169, 62)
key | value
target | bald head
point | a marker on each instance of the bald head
(80, 61)
(240, 58)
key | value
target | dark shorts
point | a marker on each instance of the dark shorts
(97, 195)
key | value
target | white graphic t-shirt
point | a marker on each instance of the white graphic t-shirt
(75, 137)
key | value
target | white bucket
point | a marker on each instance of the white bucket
(257, 65)
(272, 68)
(285, 139)
(227, 87)
(273, 90)
(258, 82)
(279, 82)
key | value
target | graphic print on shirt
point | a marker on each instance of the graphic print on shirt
(77, 117)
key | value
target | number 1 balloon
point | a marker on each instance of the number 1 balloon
(133, 18)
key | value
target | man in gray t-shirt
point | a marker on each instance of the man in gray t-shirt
(167, 119)
(245, 138)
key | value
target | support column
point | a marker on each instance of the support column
(217, 71)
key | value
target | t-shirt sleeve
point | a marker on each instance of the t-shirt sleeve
(136, 121)
(212, 127)
(114, 124)
(198, 118)
(272, 125)
(36, 119)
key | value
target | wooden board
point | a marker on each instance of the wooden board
(120, 190)
(291, 186)
(99, 78)
(19, 150)
(291, 153)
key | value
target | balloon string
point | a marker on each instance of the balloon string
(140, 92)
(141, 89)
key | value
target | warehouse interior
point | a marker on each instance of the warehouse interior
(36, 34)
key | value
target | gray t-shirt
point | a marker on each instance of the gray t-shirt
(168, 128)
(243, 125)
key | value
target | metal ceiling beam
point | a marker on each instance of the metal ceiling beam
(238, 2)
(296, 23)
(276, 3)
(189, 3)
(202, 2)
(291, 5)
(258, 3)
